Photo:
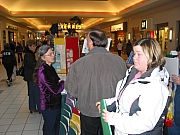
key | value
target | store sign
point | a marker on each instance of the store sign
(117, 27)
(65, 26)
(11, 27)
(144, 24)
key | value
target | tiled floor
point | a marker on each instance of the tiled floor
(15, 118)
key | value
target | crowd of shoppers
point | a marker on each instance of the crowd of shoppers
(136, 89)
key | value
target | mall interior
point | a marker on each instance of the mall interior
(44, 20)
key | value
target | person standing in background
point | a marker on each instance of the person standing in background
(9, 61)
(129, 61)
(128, 48)
(119, 47)
(50, 86)
(13, 46)
(19, 51)
(29, 65)
(175, 129)
(93, 77)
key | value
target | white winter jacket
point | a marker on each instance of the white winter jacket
(152, 94)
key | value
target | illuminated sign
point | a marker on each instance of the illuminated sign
(65, 26)
(117, 27)
(144, 24)
(11, 27)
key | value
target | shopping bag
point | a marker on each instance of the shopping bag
(20, 71)
(14, 72)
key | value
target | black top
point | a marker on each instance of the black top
(29, 65)
(8, 57)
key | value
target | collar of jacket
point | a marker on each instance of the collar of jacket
(29, 51)
(134, 71)
(163, 74)
(97, 50)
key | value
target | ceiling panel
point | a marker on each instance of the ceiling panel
(40, 14)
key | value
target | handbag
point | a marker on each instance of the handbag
(20, 71)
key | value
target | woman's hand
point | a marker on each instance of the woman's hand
(176, 79)
(98, 105)
(105, 115)
(60, 80)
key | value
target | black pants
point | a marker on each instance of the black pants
(51, 121)
(9, 70)
(90, 125)
(34, 96)
(119, 52)
(20, 58)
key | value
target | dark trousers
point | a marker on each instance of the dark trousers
(34, 96)
(51, 121)
(20, 58)
(119, 52)
(90, 125)
(174, 130)
(9, 70)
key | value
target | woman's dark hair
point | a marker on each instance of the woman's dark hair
(98, 38)
(152, 51)
(41, 51)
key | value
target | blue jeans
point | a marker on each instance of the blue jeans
(51, 121)
(174, 130)
(34, 96)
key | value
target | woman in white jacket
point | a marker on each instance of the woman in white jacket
(142, 95)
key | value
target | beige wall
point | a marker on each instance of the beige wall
(171, 16)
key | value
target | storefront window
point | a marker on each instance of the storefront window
(162, 36)
(179, 35)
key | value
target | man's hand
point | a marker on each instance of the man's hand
(98, 105)
(176, 79)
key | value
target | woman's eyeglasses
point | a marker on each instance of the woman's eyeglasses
(50, 54)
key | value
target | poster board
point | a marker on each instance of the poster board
(72, 51)
(106, 127)
(172, 66)
(60, 58)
